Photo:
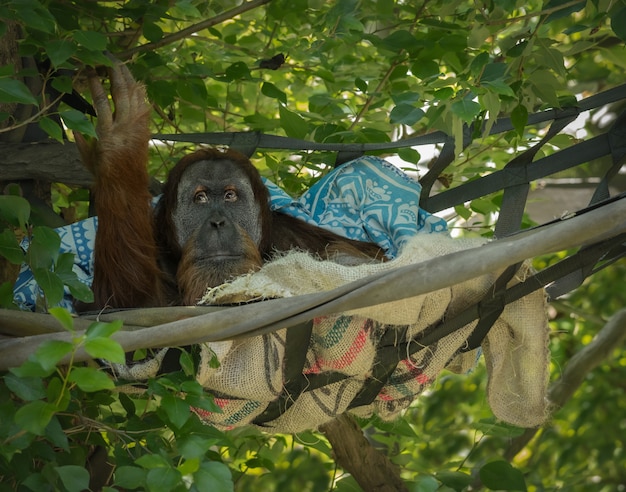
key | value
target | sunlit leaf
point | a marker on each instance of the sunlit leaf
(294, 125)
(52, 128)
(63, 316)
(77, 121)
(90, 379)
(105, 348)
(51, 352)
(466, 109)
(102, 329)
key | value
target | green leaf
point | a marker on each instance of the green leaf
(10, 248)
(51, 352)
(425, 484)
(270, 90)
(55, 434)
(15, 210)
(6, 295)
(499, 87)
(105, 348)
(425, 69)
(64, 317)
(151, 461)
(500, 475)
(15, 91)
(91, 40)
(194, 91)
(546, 85)
(398, 40)
(35, 16)
(463, 211)
(101, 329)
(186, 363)
(51, 284)
(214, 475)
(78, 289)
(152, 31)
(52, 128)
(406, 114)
(618, 23)
(27, 389)
(129, 477)
(90, 379)
(36, 482)
(160, 479)
(58, 392)
(455, 480)
(491, 427)
(77, 121)
(294, 125)
(563, 12)
(177, 410)
(407, 97)
(194, 446)
(238, 71)
(59, 51)
(31, 368)
(519, 119)
(466, 109)
(35, 416)
(44, 247)
(409, 155)
(75, 478)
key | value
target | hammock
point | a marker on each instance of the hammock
(369, 339)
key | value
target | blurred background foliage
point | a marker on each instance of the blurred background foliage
(342, 71)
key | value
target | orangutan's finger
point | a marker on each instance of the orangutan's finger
(100, 101)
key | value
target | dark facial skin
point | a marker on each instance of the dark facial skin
(216, 200)
(217, 225)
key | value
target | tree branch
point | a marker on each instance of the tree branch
(373, 471)
(172, 38)
(51, 162)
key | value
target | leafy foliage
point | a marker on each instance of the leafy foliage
(349, 71)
